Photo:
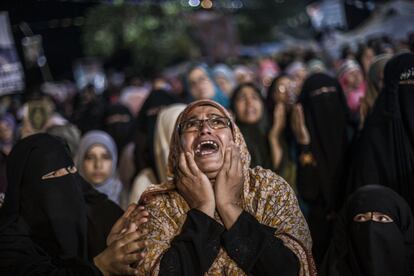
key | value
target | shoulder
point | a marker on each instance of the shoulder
(163, 199)
(262, 180)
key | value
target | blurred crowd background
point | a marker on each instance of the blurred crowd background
(112, 76)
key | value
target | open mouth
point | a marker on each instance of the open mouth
(206, 147)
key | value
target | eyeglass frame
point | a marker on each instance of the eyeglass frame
(201, 122)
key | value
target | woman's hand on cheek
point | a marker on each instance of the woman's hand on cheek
(229, 186)
(195, 186)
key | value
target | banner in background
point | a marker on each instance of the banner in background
(11, 71)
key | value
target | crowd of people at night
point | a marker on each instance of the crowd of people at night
(295, 163)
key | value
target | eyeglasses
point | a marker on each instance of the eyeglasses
(193, 125)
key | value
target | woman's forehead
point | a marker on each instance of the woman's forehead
(199, 111)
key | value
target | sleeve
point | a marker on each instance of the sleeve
(256, 250)
(20, 256)
(41, 265)
(177, 236)
(194, 250)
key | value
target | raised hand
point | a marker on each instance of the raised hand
(121, 253)
(195, 186)
(229, 186)
(298, 125)
(134, 213)
(279, 119)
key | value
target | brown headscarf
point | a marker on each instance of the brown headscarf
(266, 196)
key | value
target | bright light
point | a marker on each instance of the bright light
(207, 4)
(193, 3)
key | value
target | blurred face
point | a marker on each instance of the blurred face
(224, 85)
(367, 58)
(281, 92)
(6, 132)
(201, 86)
(354, 79)
(249, 106)
(97, 164)
(206, 140)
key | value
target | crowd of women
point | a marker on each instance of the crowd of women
(293, 166)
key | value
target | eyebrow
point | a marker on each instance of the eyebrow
(208, 116)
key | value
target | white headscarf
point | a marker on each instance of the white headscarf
(163, 131)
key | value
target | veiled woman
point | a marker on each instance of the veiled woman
(321, 131)
(384, 153)
(52, 222)
(374, 236)
(217, 216)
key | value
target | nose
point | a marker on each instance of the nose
(98, 164)
(204, 128)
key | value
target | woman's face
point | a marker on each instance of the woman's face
(6, 132)
(367, 58)
(282, 90)
(354, 79)
(97, 164)
(249, 106)
(201, 87)
(207, 142)
(224, 84)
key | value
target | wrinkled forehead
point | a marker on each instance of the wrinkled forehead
(202, 111)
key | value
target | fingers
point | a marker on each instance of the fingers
(235, 156)
(130, 237)
(191, 164)
(135, 257)
(227, 159)
(120, 223)
(182, 165)
(300, 115)
(127, 270)
(130, 209)
(134, 246)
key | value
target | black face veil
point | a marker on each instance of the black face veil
(45, 193)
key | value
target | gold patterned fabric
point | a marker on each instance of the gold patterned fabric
(266, 196)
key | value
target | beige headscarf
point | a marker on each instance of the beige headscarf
(164, 129)
(266, 196)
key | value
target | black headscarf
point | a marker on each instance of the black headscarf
(372, 248)
(326, 117)
(118, 123)
(255, 135)
(144, 127)
(54, 208)
(384, 153)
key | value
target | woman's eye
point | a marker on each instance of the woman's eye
(189, 125)
(107, 157)
(382, 218)
(360, 218)
(218, 122)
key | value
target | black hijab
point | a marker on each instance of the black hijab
(54, 208)
(384, 153)
(118, 123)
(326, 117)
(144, 127)
(256, 134)
(372, 248)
